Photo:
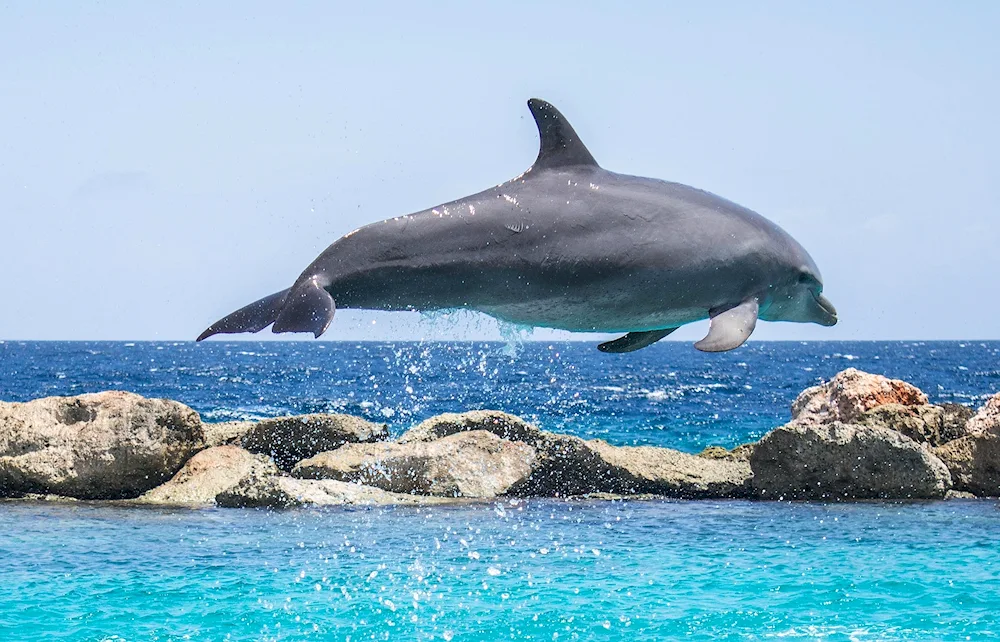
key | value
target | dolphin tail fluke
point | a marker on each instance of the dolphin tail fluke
(308, 307)
(251, 318)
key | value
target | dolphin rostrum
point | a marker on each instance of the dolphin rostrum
(565, 245)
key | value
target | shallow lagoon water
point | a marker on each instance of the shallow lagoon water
(543, 570)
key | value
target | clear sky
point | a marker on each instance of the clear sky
(162, 164)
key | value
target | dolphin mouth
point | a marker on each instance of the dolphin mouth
(829, 313)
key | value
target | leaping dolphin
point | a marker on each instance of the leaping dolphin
(565, 245)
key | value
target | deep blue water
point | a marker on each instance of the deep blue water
(541, 570)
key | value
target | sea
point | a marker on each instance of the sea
(536, 569)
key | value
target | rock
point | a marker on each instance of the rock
(850, 394)
(108, 445)
(501, 424)
(843, 461)
(564, 466)
(209, 473)
(987, 420)
(740, 453)
(289, 440)
(471, 464)
(974, 463)
(662, 471)
(959, 494)
(286, 492)
(226, 432)
(934, 425)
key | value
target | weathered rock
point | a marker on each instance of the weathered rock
(662, 471)
(934, 425)
(959, 494)
(108, 445)
(987, 419)
(740, 453)
(843, 461)
(209, 473)
(289, 440)
(286, 492)
(974, 463)
(225, 432)
(501, 424)
(471, 464)
(850, 394)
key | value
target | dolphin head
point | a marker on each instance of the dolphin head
(799, 297)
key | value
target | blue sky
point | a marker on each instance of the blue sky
(164, 164)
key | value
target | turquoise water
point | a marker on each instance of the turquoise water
(541, 570)
(538, 570)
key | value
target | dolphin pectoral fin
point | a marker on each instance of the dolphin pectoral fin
(730, 328)
(251, 318)
(308, 308)
(634, 341)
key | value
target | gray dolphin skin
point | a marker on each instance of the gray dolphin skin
(565, 245)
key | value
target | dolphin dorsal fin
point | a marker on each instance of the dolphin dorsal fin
(559, 144)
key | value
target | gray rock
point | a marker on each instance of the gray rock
(959, 494)
(843, 461)
(850, 394)
(225, 432)
(108, 445)
(671, 473)
(928, 424)
(974, 463)
(739, 453)
(501, 424)
(209, 473)
(470, 464)
(289, 440)
(286, 492)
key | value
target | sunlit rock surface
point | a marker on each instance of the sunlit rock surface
(927, 424)
(471, 464)
(289, 440)
(209, 473)
(974, 460)
(108, 445)
(844, 461)
(850, 394)
(273, 491)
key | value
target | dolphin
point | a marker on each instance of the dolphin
(568, 245)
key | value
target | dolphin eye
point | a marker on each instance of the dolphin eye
(805, 278)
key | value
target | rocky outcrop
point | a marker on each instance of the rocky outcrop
(671, 473)
(925, 423)
(974, 463)
(209, 473)
(286, 492)
(501, 424)
(987, 419)
(739, 453)
(108, 445)
(842, 461)
(470, 464)
(850, 394)
(289, 440)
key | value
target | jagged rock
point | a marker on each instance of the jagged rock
(933, 425)
(974, 463)
(987, 419)
(501, 424)
(959, 494)
(662, 471)
(286, 492)
(850, 394)
(471, 464)
(225, 432)
(209, 473)
(108, 445)
(740, 453)
(289, 440)
(843, 461)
